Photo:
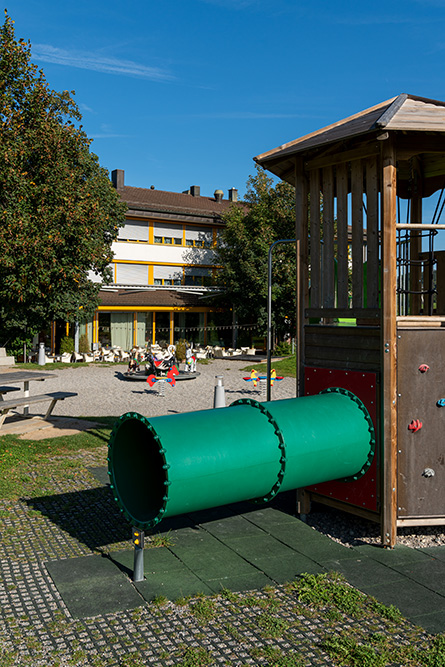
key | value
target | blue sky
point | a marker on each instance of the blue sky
(187, 92)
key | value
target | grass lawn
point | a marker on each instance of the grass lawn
(28, 466)
(287, 366)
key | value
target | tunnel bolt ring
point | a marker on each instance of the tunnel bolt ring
(371, 429)
(143, 525)
(281, 445)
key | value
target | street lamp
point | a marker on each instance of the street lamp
(269, 309)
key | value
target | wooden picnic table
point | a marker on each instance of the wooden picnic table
(26, 377)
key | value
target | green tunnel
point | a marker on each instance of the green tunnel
(164, 466)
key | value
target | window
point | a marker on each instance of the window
(167, 234)
(132, 274)
(197, 276)
(199, 237)
(167, 275)
(133, 231)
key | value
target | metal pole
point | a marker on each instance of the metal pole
(138, 562)
(269, 310)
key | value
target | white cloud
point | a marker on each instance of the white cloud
(97, 63)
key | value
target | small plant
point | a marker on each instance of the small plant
(347, 651)
(390, 612)
(196, 657)
(272, 626)
(159, 540)
(203, 609)
(160, 600)
(324, 590)
(84, 344)
(67, 345)
(181, 347)
(283, 349)
(230, 595)
(276, 658)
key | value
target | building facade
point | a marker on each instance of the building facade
(164, 270)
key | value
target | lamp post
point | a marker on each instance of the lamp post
(269, 309)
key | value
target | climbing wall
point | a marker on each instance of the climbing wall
(421, 424)
(362, 493)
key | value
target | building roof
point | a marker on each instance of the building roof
(155, 298)
(174, 201)
(186, 206)
(404, 112)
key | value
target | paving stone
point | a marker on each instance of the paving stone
(400, 554)
(288, 568)
(92, 585)
(268, 517)
(232, 526)
(364, 572)
(433, 622)
(434, 552)
(411, 598)
(172, 585)
(156, 560)
(430, 574)
(247, 582)
(255, 547)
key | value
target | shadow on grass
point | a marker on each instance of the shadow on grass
(90, 516)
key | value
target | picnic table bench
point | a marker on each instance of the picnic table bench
(53, 397)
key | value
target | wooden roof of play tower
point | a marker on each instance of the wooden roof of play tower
(403, 114)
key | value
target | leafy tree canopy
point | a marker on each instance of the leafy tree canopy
(59, 212)
(243, 253)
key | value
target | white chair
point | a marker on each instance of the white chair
(122, 355)
(108, 355)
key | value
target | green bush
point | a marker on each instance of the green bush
(181, 347)
(66, 345)
(84, 344)
(14, 348)
(283, 349)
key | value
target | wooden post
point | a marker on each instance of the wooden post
(315, 238)
(342, 237)
(357, 233)
(389, 346)
(302, 288)
(328, 296)
(372, 233)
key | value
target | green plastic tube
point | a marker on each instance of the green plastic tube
(165, 466)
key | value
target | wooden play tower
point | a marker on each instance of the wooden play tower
(371, 296)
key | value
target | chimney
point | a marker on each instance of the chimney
(118, 178)
(219, 194)
(195, 190)
(233, 194)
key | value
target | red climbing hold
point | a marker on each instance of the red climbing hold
(415, 425)
(423, 368)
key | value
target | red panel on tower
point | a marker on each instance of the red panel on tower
(363, 492)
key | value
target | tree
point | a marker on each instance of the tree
(243, 252)
(59, 212)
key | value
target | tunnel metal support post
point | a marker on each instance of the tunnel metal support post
(269, 309)
(138, 564)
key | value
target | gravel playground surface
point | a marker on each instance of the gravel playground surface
(103, 391)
